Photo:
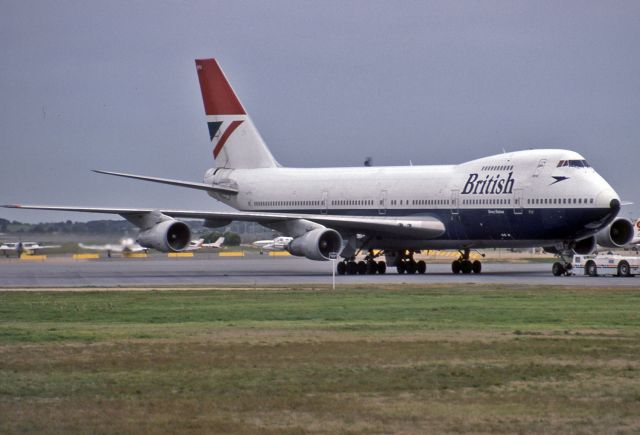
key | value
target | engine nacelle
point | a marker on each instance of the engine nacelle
(580, 247)
(585, 246)
(316, 244)
(617, 234)
(167, 236)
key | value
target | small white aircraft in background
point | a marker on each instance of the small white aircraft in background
(277, 244)
(199, 244)
(126, 246)
(130, 246)
(29, 248)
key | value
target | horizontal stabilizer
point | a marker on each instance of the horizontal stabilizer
(191, 185)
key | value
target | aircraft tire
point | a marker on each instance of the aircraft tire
(466, 266)
(362, 268)
(422, 267)
(412, 267)
(341, 268)
(402, 268)
(456, 266)
(382, 267)
(352, 268)
(476, 266)
(372, 267)
(557, 269)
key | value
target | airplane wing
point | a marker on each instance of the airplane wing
(217, 244)
(424, 227)
(112, 248)
(227, 190)
(194, 245)
(44, 247)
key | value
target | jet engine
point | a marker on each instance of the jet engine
(580, 247)
(167, 236)
(585, 246)
(617, 234)
(316, 244)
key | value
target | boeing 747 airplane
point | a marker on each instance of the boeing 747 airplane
(548, 198)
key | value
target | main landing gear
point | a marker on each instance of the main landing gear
(465, 265)
(367, 267)
(406, 264)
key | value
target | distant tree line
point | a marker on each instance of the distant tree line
(91, 227)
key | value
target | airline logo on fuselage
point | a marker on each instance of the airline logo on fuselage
(490, 185)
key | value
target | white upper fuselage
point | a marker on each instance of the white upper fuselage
(434, 187)
(508, 185)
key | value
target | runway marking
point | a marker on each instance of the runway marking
(278, 254)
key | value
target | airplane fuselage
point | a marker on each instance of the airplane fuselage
(519, 199)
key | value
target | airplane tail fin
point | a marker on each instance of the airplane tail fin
(235, 140)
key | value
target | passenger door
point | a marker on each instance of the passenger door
(382, 208)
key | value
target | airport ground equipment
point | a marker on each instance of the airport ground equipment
(606, 264)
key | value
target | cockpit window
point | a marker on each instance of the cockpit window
(574, 163)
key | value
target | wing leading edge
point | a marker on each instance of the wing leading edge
(424, 227)
(217, 188)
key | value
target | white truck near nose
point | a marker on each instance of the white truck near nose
(606, 264)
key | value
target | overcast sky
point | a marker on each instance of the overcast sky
(112, 85)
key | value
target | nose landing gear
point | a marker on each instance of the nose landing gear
(406, 264)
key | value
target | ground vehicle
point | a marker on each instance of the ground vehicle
(607, 264)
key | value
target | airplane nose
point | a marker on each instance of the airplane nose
(615, 204)
(608, 198)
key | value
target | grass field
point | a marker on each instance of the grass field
(359, 360)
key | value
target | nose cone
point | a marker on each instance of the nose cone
(608, 198)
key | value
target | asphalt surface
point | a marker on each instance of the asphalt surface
(259, 270)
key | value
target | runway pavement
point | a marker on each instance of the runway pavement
(261, 271)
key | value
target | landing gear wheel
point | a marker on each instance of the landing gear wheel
(382, 267)
(372, 267)
(352, 268)
(422, 267)
(412, 267)
(591, 269)
(476, 266)
(456, 266)
(341, 268)
(557, 269)
(362, 267)
(401, 267)
(623, 269)
(466, 266)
